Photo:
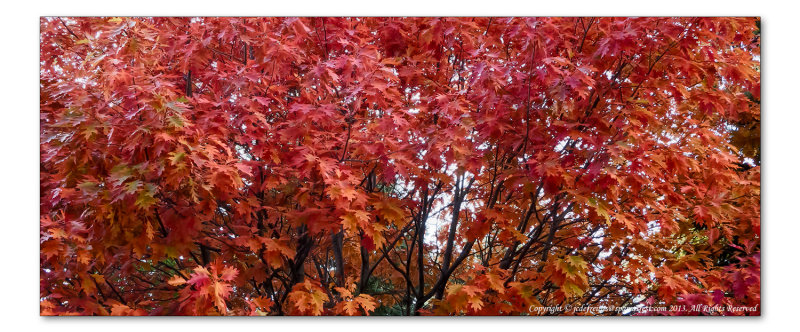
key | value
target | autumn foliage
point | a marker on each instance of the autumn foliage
(399, 166)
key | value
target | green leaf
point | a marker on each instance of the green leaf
(89, 187)
(146, 197)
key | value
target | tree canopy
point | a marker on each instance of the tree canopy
(399, 166)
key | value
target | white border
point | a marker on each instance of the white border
(20, 158)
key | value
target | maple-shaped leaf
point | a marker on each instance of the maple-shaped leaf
(228, 273)
(199, 277)
(366, 302)
(308, 298)
(146, 197)
(177, 281)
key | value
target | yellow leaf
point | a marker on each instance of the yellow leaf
(495, 282)
(350, 308)
(99, 278)
(344, 292)
(366, 302)
(176, 281)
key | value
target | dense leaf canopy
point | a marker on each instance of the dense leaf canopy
(399, 166)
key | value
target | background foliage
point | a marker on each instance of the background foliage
(325, 166)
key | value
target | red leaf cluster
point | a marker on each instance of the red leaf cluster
(399, 166)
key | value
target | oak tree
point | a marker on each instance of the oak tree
(399, 166)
